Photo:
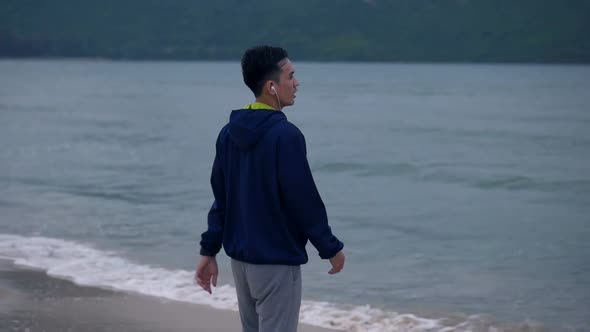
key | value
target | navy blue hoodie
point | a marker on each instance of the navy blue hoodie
(266, 204)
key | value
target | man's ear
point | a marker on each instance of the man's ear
(270, 88)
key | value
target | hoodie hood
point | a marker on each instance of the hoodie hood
(247, 126)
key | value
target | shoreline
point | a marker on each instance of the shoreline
(31, 300)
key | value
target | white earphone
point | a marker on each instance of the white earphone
(272, 87)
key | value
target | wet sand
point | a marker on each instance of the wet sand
(32, 301)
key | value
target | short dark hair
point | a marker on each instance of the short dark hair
(260, 64)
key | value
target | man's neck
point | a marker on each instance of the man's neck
(268, 100)
(259, 106)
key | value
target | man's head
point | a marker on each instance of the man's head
(269, 74)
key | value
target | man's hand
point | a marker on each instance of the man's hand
(206, 273)
(337, 263)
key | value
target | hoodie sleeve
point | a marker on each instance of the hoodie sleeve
(211, 240)
(300, 195)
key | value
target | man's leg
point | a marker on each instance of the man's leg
(246, 304)
(277, 291)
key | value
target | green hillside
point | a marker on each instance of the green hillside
(332, 30)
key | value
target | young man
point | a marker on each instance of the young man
(266, 203)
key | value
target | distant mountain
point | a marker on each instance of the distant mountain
(330, 30)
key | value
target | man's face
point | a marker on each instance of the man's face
(287, 85)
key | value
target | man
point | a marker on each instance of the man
(266, 203)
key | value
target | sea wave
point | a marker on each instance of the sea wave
(369, 169)
(88, 266)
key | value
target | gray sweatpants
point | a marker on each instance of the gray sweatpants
(269, 296)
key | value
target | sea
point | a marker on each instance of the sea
(461, 191)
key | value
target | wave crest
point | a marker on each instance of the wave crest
(87, 266)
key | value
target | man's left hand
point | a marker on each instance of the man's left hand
(206, 273)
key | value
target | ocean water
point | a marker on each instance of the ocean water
(461, 192)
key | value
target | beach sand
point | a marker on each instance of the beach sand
(32, 301)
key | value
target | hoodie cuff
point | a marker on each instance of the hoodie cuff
(329, 254)
(205, 252)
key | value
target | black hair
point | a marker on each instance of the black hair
(260, 64)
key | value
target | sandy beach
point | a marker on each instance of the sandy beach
(32, 301)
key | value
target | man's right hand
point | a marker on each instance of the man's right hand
(337, 263)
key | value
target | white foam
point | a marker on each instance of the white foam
(88, 266)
